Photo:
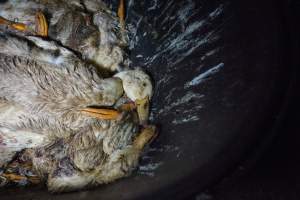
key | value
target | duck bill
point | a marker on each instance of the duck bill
(41, 25)
(145, 137)
(121, 12)
(143, 109)
(100, 113)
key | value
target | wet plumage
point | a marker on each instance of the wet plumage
(44, 89)
(87, 27)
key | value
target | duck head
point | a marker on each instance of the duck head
(138, 88)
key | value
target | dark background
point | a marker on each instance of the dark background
(274, 173)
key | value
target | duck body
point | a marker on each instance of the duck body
(40, 108)
(47, 86)
(49, 90)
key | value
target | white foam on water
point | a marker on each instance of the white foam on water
(150, 166)
(210, 53)
(133, 29)
(181, 101)
(189, 118)
(153, 7)
(176, 46)
(201, 77)
(165, 148)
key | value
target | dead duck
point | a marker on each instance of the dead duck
(87, 27)
(68, 114)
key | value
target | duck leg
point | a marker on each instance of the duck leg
(19, 171)
(100, 113)
(128, 106)
(14, 25)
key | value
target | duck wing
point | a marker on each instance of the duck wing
(11, 140)
(42, 88)
(34, 68)
(38, 49)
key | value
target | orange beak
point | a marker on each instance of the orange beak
(41, 26)
(145, 137)
(121, 12)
